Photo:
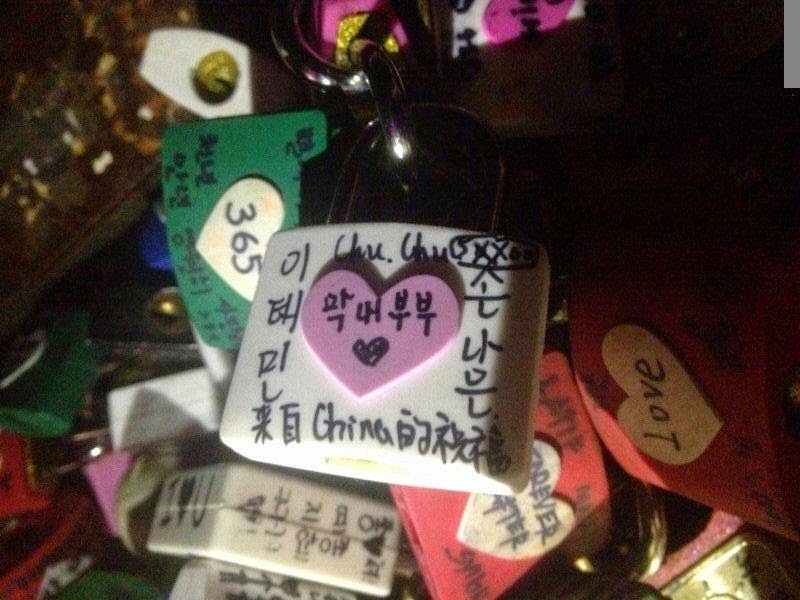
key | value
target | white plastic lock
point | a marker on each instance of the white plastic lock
(260, 518)
(163, 408)
(391, 352)
(214, 580)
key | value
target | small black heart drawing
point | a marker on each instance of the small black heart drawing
(371, 353)
(375, 545)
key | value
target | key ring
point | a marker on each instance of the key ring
(388, 93)
(294, 50)
(376, 74)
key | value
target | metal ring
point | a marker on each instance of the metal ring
(292, 47)
(388, 93)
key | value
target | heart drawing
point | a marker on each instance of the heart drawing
(369, 341)
(370, 353)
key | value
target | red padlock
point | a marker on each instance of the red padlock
(686, 353)
(475, 546)
(20, 490)
(65, 531)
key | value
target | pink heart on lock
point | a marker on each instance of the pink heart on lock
(369, 341)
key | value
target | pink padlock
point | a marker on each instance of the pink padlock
(105, 475)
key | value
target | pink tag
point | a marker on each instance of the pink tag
(105, 475)
(509, 20)
(368, 341)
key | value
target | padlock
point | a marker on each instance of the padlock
(47, 378)
(213, 580)
(695, 542)
(105, 475)
(268, 520)
(313, 38)
(478, 546)
(327, 380)
(749, 566)
(179, 405)
(21, 488)
(228, 185)
(66, 530)
(338, 22)
(685, 355)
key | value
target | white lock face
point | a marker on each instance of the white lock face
(263, 519)
(392, 352)
(175, 406)
(214, 580)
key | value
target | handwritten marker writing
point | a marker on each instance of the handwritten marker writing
(475, 546)
(393, 352)
(685, 354)
(263, 519)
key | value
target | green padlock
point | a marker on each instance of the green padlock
(43, 387)
(109, 585)
(229, 184)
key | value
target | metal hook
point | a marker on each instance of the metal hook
(375, 73)
(388, 93)
(292, 47)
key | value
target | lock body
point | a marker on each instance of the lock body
(476, 546)
(529, 67)
(684, 357)
(267, 520)
(393, 352)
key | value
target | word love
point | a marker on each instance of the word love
(369, 341)
(664, 415)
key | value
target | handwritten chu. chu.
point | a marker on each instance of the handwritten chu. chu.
(687, 353)
(263, 519)
(476, 546)
(392, 352)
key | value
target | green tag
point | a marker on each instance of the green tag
(109, 585)
(44, 400)
(229, 184)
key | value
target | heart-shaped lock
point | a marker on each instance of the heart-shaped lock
(478, 546)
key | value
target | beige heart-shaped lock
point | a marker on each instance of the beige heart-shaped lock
(235, 235)
(664, 414)
(525, 525)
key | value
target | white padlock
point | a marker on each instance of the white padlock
(164, 408)
(263, 519)
(399, 353)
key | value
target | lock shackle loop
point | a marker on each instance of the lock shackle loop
(388, 93)
(297, 54)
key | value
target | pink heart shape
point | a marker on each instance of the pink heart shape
(509, 20)
(354, 332)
